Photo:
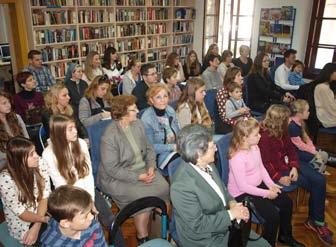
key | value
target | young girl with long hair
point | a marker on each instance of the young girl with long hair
(92, 66)
(11, 125)
(24, 189)
(173, 61)
(280, 160)
(191, 108)
(248, 177)
(68, 156)
(305, 148)
(192, 66)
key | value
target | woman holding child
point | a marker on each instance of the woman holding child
(128, 162)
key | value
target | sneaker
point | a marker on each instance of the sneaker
(323, 232)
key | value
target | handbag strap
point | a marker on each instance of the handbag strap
(250, 205)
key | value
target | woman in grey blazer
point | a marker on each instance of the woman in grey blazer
(203, 208)
(128, 169)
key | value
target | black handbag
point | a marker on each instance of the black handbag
(240, 232)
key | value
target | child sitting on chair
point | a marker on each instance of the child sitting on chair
(235, 105)
(295, 77)
(72, 220)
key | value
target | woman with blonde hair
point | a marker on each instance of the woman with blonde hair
(192, 66)
(92, 67)
(68, 156)
(281, 161)
(95, 105)
(161, 124)
(191, 108)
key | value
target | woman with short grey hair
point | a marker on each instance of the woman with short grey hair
(197, 183)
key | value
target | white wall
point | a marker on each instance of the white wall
(301, 25)
(198, 28)
(3, 24)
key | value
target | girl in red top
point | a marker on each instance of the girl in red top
(280, 160)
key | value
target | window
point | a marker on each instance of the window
(321, 46)
(211, 16)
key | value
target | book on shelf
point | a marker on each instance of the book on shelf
(58, 70)
(102, 32)
(157, 41)
(275, 48)
(59, 53)
(182, 51)
(287, 13)
(47, 36)
(89, 16)
(265, 29)
(185, 13)
(95, 2)
(156, 28)
(164, 3)
(154, 55)
(183, 39)
(265, 14)
(99, 47)
(53, 3)
(54, 17)
(182, 26)
(124, 58)
(131, 2)
(275, 14)
(131, 44)
(130, 15)
(157, 14)
(131, 29)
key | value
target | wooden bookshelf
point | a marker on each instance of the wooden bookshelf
(67, 30)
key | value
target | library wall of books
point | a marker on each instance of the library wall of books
(67, 30)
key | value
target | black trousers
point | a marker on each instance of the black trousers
(277, 214)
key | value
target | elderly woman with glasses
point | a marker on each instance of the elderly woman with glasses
(95, 105)
(161, 125)
(203, 208)
(128, 167)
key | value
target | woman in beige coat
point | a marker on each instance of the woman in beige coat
(128, 162)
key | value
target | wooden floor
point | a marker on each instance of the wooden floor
(301, 233)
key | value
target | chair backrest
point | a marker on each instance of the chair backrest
(245, 90)
(222, 162)
(211, 103)
(95, 133)
(120, 88)
(6, 239)
(42, 136)
(135, 207)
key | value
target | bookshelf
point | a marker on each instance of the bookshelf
(276, 32)
(67, 30)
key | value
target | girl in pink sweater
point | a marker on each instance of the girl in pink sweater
(248, 177)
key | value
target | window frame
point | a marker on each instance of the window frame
(215, 34)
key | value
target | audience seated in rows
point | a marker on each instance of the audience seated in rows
(244, 62)
(42, 74)
(128, 161)
(75, 85)
(192, 66)
(191, 108)
(95, 105)
(282, 72)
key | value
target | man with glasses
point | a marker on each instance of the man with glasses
(149, 77)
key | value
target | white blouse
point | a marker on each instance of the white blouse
(86, 183)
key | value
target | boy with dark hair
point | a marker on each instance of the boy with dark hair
(169, 76)
(282, 72)
(211, 76)
(235, 105)
(72, 220)
(149, 76)
(42, 74)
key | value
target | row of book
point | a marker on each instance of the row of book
(154, 55)
(58, 70)
(97, 46)
(131, 44)
(157, 28)
(59, 53)
(131, 30)
(131, 15)
(140, 56)
(53, 3)
(89, 16)
(183, 39)
(55, 36)
(185, 13)
(95, 2)
(182, 51)
(182, 26)
(275, 29)
(160, 67)
(53, 17)
(157, 41)
(104, 32)
(159, 3)
(131, 2)
(157, 14)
